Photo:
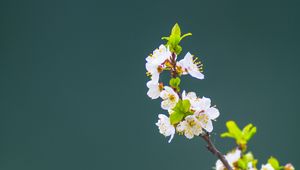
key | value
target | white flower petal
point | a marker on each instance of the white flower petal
(267, 167)
(183, 95)
(165, 104)
(197, 74)
(169, 90)
(213, 113)
(208, 126)
(188, 134)
(205, 103)
(172, 136)
(182, 126)
(154, 89)
(165, 126)
(231, 157)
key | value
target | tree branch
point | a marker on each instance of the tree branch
(211, 147)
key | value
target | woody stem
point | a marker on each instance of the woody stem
(211, 147)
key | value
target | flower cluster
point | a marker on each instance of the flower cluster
(239, 158)
(189, 115)
(198, 112)
(236, 159)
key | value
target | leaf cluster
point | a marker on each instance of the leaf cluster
(174, 39)
(241, 136)
(174, 83)
(180, 111)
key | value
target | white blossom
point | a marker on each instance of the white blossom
(231, 157)
(189, 66)
(159, 55)
(165, 126)
(154, 71)
(205, 114)
(154, 61)
(154, 89)
(267, 167)
(170, 98)
(190, 127)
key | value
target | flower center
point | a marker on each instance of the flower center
(160, 86)
(172, 97)
(203, 117)
(192, 123)
(159, 69)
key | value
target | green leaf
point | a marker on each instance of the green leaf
(176, 30)
(227, 135)
(249, 131)
(234, 129)
(165, 38)
(249, 157)
(182, 106)
(181, 110)
(242, 164)
(186, 105)
(274, 162)
(185, 35)
(176, 117)
(175, 82)
(178, 106)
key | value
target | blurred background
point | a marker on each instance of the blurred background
(73, 84)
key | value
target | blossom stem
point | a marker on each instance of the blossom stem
(173, 62)
(174, 73)
(211, 147)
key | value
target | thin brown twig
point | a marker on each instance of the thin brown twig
(211, 147)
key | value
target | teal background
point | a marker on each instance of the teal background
(73, 84)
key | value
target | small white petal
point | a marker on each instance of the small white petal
(197, 74)
(184, 94)
(165, 105)
(267, 167)
(213, 113)
(189, 134)
(208, 126)
(205, 103)
(154, 90)
(172, 136)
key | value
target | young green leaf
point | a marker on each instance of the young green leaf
(181, 110)
(185, 35)
(174, 82)
(176, 117)
(186, 106)
(233, 131)
(249, 131)
(176, 30)
(242, 164)
(274, 162)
